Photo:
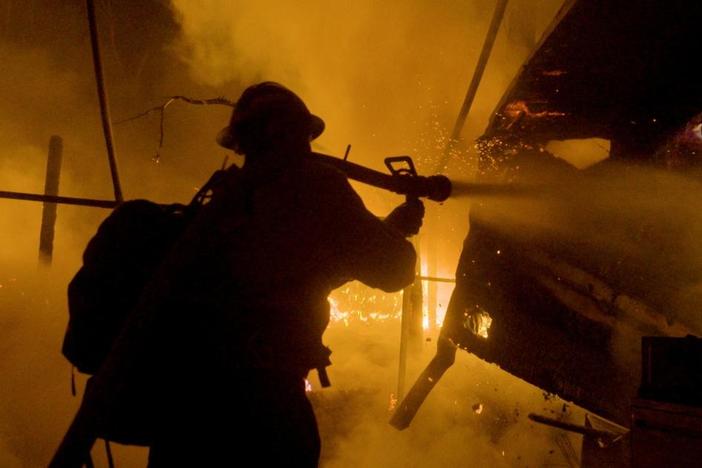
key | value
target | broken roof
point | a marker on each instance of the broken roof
(608, 69)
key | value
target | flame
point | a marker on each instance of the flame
(553, 72)
(443, 294)
(357, 303)
(336, 315)
(697, 131)
(478, 322)
(518, 108)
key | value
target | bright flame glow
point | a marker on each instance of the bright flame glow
(337, 315)
(357, 303)
(478, 322)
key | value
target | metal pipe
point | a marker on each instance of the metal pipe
(433, 279)
(404, 337)
(104, 105)
(58, 199)
(584, 430)
(475, 81)
(410, 337)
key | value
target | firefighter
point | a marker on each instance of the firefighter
(287, 230)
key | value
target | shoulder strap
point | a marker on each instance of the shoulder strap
(205, 193)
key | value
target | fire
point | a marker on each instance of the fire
(554, 72)
(478, 322)
(336, 315)
(358, 303)
(442, 294)
(697, 131)
(517, 108)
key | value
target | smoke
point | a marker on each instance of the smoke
(47, 88)
(475, 416)
(387, 77)
(645, 218)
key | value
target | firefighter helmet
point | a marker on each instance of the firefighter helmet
(262, 103)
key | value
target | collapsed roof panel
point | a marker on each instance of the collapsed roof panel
(559, 292)
(608, 68)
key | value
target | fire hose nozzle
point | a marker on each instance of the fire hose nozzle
(436, 188)
(403, 181)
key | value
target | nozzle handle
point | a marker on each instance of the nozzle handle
(391, 162)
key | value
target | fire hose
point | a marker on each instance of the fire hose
(401, 180)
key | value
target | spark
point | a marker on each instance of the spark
(393, 402)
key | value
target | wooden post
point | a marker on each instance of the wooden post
(404, 338)
(51, 188)
(432, 287)
(474, 83)
(416, 329)
(410, 337)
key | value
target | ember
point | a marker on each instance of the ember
(519, 108)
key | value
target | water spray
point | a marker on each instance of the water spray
(404, 180)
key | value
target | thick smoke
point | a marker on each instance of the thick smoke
(388, 78)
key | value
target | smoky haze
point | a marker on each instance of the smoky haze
(387, 77)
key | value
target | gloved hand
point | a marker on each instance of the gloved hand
(407, 218)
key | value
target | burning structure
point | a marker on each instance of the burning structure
(559, 288)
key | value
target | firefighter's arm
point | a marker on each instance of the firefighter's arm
(374, 252)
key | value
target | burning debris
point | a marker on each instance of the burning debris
(563, 309)
(576, 274)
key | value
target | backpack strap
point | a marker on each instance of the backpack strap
(205, 193)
